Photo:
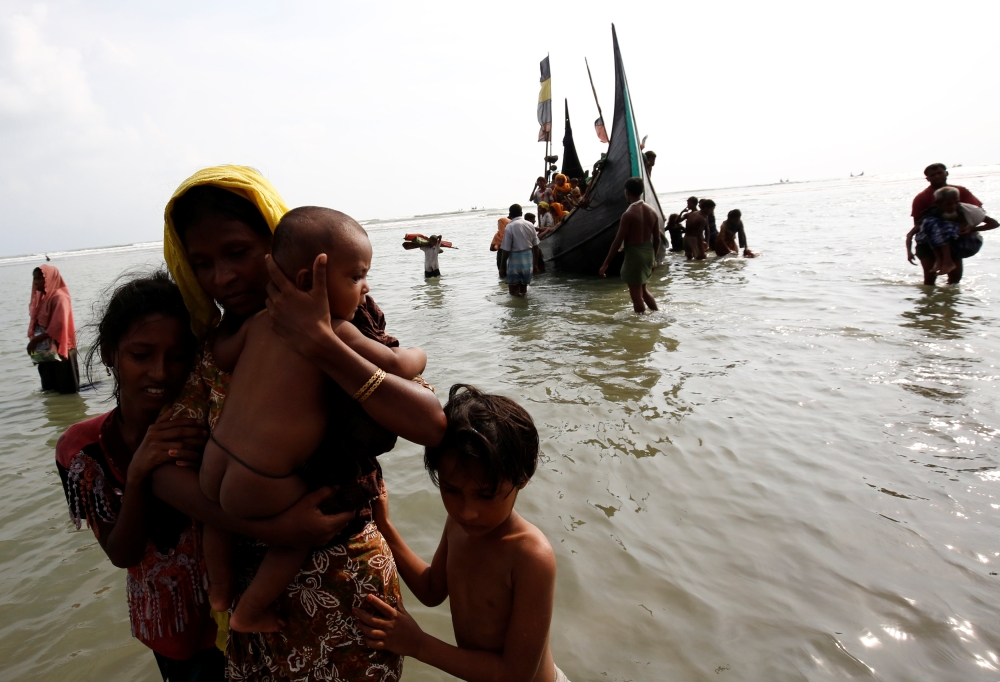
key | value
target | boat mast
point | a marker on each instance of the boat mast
(593, 89)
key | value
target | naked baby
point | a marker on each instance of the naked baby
(275, 413)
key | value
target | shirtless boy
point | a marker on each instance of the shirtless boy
(639, 230)
(697, 230)
(275, 415)
(497, 570)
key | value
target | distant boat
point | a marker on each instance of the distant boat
(580, 243)
(858, 175)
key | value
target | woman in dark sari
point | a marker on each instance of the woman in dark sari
(217, 235)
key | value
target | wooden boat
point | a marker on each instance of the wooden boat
(580, 243)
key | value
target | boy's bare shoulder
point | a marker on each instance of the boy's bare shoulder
(534, 551)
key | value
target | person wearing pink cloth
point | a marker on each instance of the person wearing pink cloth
(51, 331)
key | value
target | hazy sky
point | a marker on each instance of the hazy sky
(392, 109)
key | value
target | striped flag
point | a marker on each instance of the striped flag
(545, 104)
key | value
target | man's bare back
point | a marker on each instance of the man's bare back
(640, 223)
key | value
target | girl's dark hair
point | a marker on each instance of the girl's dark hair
(207, 200)
(491, 430)
(124, 303)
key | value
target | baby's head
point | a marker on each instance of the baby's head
(308, 231)
(488, 453)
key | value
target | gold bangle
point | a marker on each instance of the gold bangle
(365, 391)
(368, 384)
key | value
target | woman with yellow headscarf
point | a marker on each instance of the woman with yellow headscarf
(217, 238)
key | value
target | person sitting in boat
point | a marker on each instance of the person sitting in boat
(650, 159)
(558, 212)
(546, 223)
(561, 189)
(541, 191)
(576, 195)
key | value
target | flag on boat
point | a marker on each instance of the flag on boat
(545, 104)
(602, 132)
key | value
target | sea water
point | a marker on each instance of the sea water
(788, 472)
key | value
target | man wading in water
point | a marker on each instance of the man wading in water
(639, 229)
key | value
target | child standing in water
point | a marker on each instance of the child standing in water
(497, 569)
(275, 414)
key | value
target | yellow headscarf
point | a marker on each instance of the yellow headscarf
(241, 180)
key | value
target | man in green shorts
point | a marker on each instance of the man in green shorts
(639, 230)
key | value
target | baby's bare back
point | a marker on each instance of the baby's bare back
(274, 415)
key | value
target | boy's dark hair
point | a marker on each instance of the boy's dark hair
(530, 217)
(207, 200)
(131, 300)
(491, 430)
(735, 214)
(634, 186)
(933, 167)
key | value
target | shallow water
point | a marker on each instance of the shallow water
(789, 472)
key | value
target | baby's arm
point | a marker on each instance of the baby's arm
(227, 349)
(534, 580)
(402, 362)
(428, 582)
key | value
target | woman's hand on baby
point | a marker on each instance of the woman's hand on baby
(392, 629)
(180, 441)
(299, 317)
(305, 524)
(380, 507)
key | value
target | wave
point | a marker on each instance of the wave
(36, 257)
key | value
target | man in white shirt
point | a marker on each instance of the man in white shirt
(431, 252)
(517, 248)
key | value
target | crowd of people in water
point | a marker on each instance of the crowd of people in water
(255, 386)
(693, 230)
